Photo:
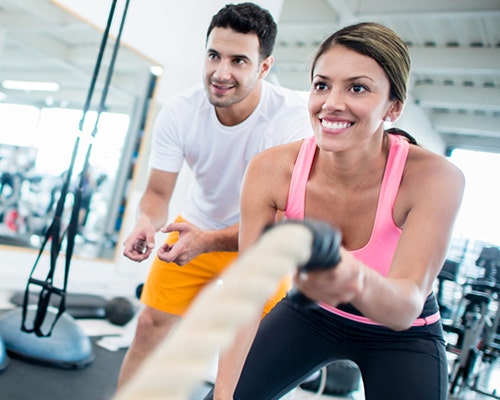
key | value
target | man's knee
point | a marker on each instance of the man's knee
(154, 322)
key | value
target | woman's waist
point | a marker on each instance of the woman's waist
(429, 315)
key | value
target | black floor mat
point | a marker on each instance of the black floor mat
(26, 381)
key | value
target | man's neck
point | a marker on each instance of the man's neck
(238, 112)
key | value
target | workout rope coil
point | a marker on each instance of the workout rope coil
(183, 359)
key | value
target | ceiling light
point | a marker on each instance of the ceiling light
(156, 70)
(31, 86)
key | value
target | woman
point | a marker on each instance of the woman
(395, 204)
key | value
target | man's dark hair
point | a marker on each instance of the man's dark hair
(248, 18)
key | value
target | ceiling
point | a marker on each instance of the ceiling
(454, 45)
(455, 50)
(40, 41)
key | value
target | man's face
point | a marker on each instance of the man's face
(232, 66)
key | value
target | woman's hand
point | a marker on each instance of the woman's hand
(340, 284)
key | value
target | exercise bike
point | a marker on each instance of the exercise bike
(476, 327)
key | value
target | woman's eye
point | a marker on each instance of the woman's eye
(320, 86)
(358, 88)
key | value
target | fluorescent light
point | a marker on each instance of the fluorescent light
(156, 70)
(31, 86)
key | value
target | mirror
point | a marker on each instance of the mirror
(47, 65)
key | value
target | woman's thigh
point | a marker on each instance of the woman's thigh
(287, 349)
(414, 369)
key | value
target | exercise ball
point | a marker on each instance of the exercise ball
(119, 310)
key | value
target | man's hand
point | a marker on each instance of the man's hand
(141, 242)
(192, 242)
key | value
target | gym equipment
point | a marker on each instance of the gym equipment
(449, 272)
(4, 359)
(119, 310)
(67, 347)
(181, 362)
(63, 345)
(138, 290)
(477, 346)
(78, 305)
(341, 377)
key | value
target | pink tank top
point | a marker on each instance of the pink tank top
(380, 249)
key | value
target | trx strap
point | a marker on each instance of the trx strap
(53, 234)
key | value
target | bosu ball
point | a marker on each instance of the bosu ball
(67, 347)
(4, 360)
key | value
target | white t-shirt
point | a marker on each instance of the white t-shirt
(187, 129)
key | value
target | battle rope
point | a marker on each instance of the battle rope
(182, 360)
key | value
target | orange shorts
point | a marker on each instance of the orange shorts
(172, 288)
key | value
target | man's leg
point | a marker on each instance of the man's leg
(152, 327)
(171, 289)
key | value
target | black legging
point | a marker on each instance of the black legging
(294, 342)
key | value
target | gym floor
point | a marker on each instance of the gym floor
(115, 339)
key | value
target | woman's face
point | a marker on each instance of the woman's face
(349, 99)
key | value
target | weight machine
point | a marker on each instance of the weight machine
(475, 324)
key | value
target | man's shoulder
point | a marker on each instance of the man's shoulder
(281, 95)
(178, 110)
(286, 114)
(192, 96)
(278, 89)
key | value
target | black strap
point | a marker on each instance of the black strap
(53, 234)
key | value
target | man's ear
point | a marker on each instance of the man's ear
(265, 67)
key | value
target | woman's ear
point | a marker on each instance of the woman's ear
(394, 112)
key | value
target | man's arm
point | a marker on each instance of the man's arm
(194, 241)
(152, 214)
(156, 198)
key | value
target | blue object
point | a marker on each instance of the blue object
(4, 360)
(67, 347)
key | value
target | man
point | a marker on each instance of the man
(216, 130)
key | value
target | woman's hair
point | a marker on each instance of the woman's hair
(248, 18)
(379, 43)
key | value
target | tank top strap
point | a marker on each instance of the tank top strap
(393, 174)
(296, 194)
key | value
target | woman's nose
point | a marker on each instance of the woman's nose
(333, 102)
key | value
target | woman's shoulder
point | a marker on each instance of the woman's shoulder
(430, 183)
(281, 152)
(275, 163)
(429, 168)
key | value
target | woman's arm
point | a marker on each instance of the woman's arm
(427, 205)
(263, 196)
